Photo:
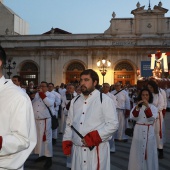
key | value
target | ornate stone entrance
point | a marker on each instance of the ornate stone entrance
(73, 72)
(124, 73)
(29, 73)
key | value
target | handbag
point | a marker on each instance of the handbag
(54, 119)
(129, 131)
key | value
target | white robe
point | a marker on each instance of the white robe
(123, 103)
(43, 148)
(17, 126)
(86, 116)
(144, 142)
(56, 108)
(158, 102)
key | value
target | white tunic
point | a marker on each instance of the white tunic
(123, 100)
(86, 116)
(43, 118)
(144, 142)
(158, 102)
(17, 126)
(168, 97)
(123, 103)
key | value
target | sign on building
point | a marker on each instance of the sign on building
(145, 69)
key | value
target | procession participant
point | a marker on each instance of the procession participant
(143, 152)
(56, 108)
(42, 101)
(167, 90)
(62, 89)
(66, 99)
(158, 102)
(105, 90)
(93, 114)
(162, 91)
(17, 81)
(17, 125)
(30, 88)
(123, 110)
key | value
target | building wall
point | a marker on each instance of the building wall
(11, 23)
(130, 40)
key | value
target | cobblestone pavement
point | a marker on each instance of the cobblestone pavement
(119, 160)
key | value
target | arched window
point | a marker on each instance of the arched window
(123, 66)
(73, 72)
(124, 73)
(29, 73)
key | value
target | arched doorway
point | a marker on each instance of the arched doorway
(73, 72)
(29, 73)
(124, 73)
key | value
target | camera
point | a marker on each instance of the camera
(140, 104)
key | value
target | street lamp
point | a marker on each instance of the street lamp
(103, 65)
(9, 66)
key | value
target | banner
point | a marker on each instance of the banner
(145, 69)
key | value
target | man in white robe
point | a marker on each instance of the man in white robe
(105, 90)
(42, 100)
(17, 125)
(56, 109)
(123, 110)
(94, 116)
(66, 98)
(17, 81)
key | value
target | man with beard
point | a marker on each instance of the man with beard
(94, 116)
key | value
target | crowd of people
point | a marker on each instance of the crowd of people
(92, 118)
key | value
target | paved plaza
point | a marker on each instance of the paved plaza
(119, 160)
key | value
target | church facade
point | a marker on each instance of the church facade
(61, 57)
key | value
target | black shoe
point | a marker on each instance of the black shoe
(61, 133)
(42, 158)
(54, 141)
(48, 163)
(160, 154)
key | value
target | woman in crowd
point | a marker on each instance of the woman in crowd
(158, 101)
(143, 153)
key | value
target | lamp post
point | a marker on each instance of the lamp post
(103, 65)
(9, 66)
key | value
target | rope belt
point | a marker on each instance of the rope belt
(148, 125)
(44, 134)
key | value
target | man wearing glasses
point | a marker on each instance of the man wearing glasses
(42, 101)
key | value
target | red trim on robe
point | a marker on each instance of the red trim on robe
(67, 145)
(93, 138)
(44, 135)
(135, 112)
(127, 113)
(1, 139)
(42, 95)
(148, 112)
(163, 112)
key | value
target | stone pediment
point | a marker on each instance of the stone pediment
(146, 22)
(138, 10)
(160, 9)
(156, 10)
